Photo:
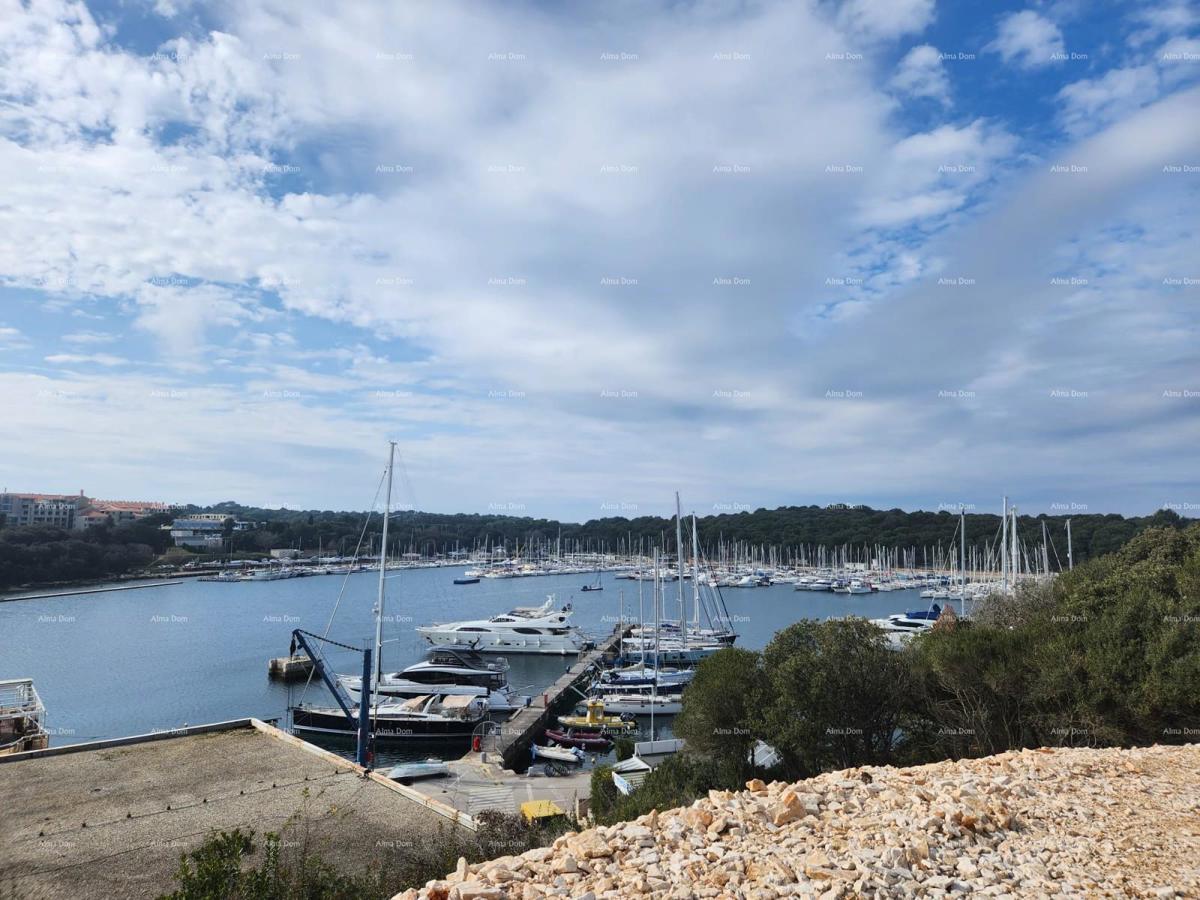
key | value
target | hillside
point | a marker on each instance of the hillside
(1033, 823)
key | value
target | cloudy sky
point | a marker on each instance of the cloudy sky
(575, 257)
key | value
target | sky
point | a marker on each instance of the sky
(576, 257)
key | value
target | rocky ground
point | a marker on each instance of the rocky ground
(1116, 823)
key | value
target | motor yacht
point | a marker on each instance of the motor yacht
(448, 670)
(541, 629)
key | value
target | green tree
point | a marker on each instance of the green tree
(720, 708)
(834, 695)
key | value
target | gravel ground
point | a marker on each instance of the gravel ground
(1034, 823)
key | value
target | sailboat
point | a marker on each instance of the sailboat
(595, 585)
(430, 716)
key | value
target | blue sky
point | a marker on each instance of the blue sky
(898, 253)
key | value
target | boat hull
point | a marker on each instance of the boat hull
(385, 728)
(551, 645)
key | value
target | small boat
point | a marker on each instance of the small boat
(643, 704)
(558, 754)
(593, 741)
(595, 719)
(411, 771)
(591, 587)
(466, 581)
(226, 577)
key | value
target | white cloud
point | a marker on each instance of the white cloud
(12, 338)
(1091, 103)
(886, 18)
(1027, 39)
(921, 73)
(73, 359)
(89, 337)
(182, 239)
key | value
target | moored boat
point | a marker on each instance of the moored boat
(541, 629)
(592, 741)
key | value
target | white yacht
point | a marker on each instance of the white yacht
(900, 627)
(447, 670)
(526, 629)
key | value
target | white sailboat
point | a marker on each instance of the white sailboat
(432, 715)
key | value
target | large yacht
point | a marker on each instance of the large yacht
(447, 670)
(429, 717)
(526, 629)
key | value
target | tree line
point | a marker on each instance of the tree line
(788, 529)
(41, 554)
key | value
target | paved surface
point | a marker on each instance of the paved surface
(473, 786)
(146, 803)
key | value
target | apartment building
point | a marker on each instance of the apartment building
(57, 510)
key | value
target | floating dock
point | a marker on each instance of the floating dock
(290, 668)
(512, 739)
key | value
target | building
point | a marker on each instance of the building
(203, 531)
(118, 512)
(56, 510)
(77, 511)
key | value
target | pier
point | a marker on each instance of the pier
(289, 668)
(71, 592)
(514, 736)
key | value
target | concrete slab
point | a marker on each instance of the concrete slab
(111, 820)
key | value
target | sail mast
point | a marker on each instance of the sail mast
(387, 514)
(695, 575)
(679, 564)
(1004, 548)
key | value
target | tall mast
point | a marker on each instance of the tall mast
(1070, 558)
(1045, 550)
(1004, 548)
(387, 514)
(679, 564)
(695, 575)
(1016, 549)
(962, 560)
(654, 683)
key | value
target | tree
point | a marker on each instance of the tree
(720, 707)
(834, 695)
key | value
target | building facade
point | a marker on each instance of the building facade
(55, 510)
(203, 531)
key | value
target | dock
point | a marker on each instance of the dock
(290, 668)
(512, 739)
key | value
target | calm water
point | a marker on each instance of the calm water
(129, 662)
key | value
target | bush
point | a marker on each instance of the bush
(720, 708)
(678, 781)
(1105, 655)
(834, 695)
